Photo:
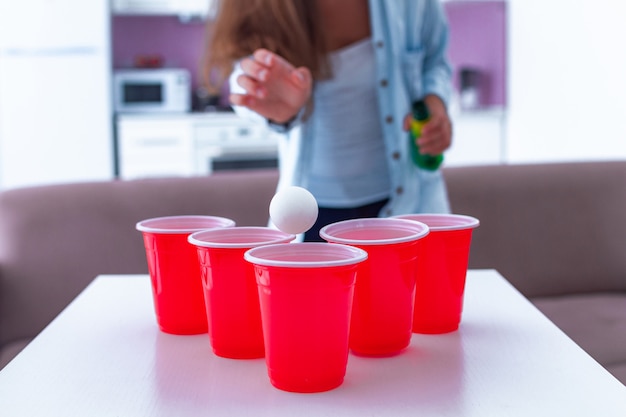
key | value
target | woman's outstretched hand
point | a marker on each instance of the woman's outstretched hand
(275, 89)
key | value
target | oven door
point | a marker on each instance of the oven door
(223, 158)
(238, 161)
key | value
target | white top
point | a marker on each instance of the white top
(348, 166)
(104, 356)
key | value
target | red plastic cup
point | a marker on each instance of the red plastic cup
(441, 271)
(305, 292)
(175, 271)
(230, 289)
(382, 313)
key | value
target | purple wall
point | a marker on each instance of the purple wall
(477, 39)
(179, 44)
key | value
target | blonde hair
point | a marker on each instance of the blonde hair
(289, 28)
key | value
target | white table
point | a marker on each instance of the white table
(104, 356)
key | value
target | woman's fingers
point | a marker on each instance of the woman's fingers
(436, 136)
(265, 57)
(272, 60)
(241, 100)
(302, 78)
(406, 122)
(252, 86)
(254, 69)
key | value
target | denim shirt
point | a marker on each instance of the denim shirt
(410, 40)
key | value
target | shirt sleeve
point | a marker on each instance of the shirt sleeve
(434, 34)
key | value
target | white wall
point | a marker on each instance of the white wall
(566, 80)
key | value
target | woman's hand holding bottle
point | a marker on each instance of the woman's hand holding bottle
(436, 135)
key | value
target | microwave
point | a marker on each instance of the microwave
(159, 90)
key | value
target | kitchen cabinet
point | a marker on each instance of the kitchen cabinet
(163, 7)
(191, 144)
(154, 147)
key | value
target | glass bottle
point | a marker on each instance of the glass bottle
(421, 116)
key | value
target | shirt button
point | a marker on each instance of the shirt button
(389, 119)
(383, 83)
(395, 155)
(388, 213)
(380, 44)
(399, 190)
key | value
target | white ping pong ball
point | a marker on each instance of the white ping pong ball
(293, 210)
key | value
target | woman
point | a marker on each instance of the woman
(339, 77)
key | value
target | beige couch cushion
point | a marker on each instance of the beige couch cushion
(596, 322)
(10, 350)
(550, 229)
(55, 239)
(619, 372)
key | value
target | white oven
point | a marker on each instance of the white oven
(233, 145)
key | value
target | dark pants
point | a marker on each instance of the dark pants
(333, 215)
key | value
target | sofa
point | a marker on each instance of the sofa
(556, 231)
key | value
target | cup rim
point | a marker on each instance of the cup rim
(418, 230)
(210, 238)
(182, 223)
(347, 255)
(438, 222)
